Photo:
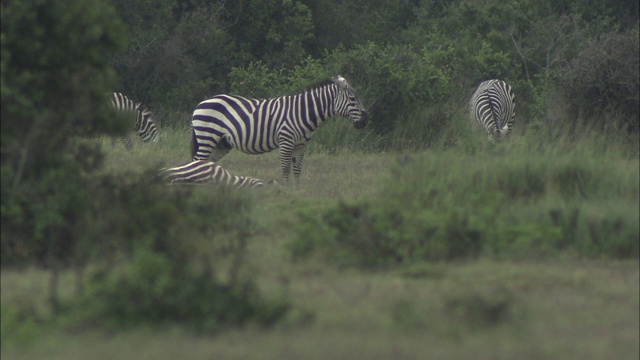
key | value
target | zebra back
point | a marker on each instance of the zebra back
(492, 108)
(202, 172)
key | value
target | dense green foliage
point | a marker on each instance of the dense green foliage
(60, 211)
(55, 73)
(185, 266)
(414, 63)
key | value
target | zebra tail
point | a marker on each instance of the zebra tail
(194, 144)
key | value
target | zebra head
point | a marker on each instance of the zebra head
(348, 105)
(497, 134)
(146, 126)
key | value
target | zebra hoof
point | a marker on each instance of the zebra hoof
(274, 184)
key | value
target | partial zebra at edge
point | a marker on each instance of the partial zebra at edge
(206, 172)
(146, 127)
(492, 109)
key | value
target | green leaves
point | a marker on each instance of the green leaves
(55, 81)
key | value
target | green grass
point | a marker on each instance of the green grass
(569, 304)
(568, 310)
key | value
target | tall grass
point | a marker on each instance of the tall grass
(531, 196)
(417, 208)
(452, 194)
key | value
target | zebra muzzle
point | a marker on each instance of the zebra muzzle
(360, 124)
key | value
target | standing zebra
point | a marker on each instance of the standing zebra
(201, 171)
(145, 126)
(257, 126)
(492, 109)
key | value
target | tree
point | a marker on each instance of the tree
(55, 82)
(274, 31)
(603, 79)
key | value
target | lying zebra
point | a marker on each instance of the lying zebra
(206, 172)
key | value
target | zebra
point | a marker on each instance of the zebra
(203, 171)
(145, 125)
(492, 109)
(257, 126)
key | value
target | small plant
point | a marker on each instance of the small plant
(20, 325)
(479, 310)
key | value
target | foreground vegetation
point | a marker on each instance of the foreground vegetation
(525, 249)
(483, 309)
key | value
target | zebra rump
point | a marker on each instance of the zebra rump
(204, 172)
(492, 109)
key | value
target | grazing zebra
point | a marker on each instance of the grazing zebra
(258, 126)
(202, 171)
(145, 126)
(493, 109)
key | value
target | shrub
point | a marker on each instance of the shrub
(158, 289)
(452, 206)
(20, 324)
(55, 74)
(163, 256)
(394, 82)
(603, 79)
(481, 309)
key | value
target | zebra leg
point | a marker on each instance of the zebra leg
(296, 160)
(286, 151)
(216, 150)
(219, 152)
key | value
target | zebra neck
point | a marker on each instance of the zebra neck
(323, 100)
(312, 107)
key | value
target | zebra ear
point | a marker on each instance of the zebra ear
(340, 81)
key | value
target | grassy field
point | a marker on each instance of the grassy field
(556, 305)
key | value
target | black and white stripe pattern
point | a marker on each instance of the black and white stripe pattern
(258, 126)
(145, 125)
(492, 109)
(206, 172)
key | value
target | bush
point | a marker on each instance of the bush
(156, 255)
(453, 206)
(394, 82)
(55, 74)
(479, 310)
(20, 324)
(171, 257)
(603, 79)
(157, 289)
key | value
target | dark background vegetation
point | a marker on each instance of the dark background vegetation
(411, 59)
(573, 65)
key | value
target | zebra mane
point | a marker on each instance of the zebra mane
(309, 88)
(319, 84)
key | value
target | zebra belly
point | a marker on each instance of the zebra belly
(247, 141)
